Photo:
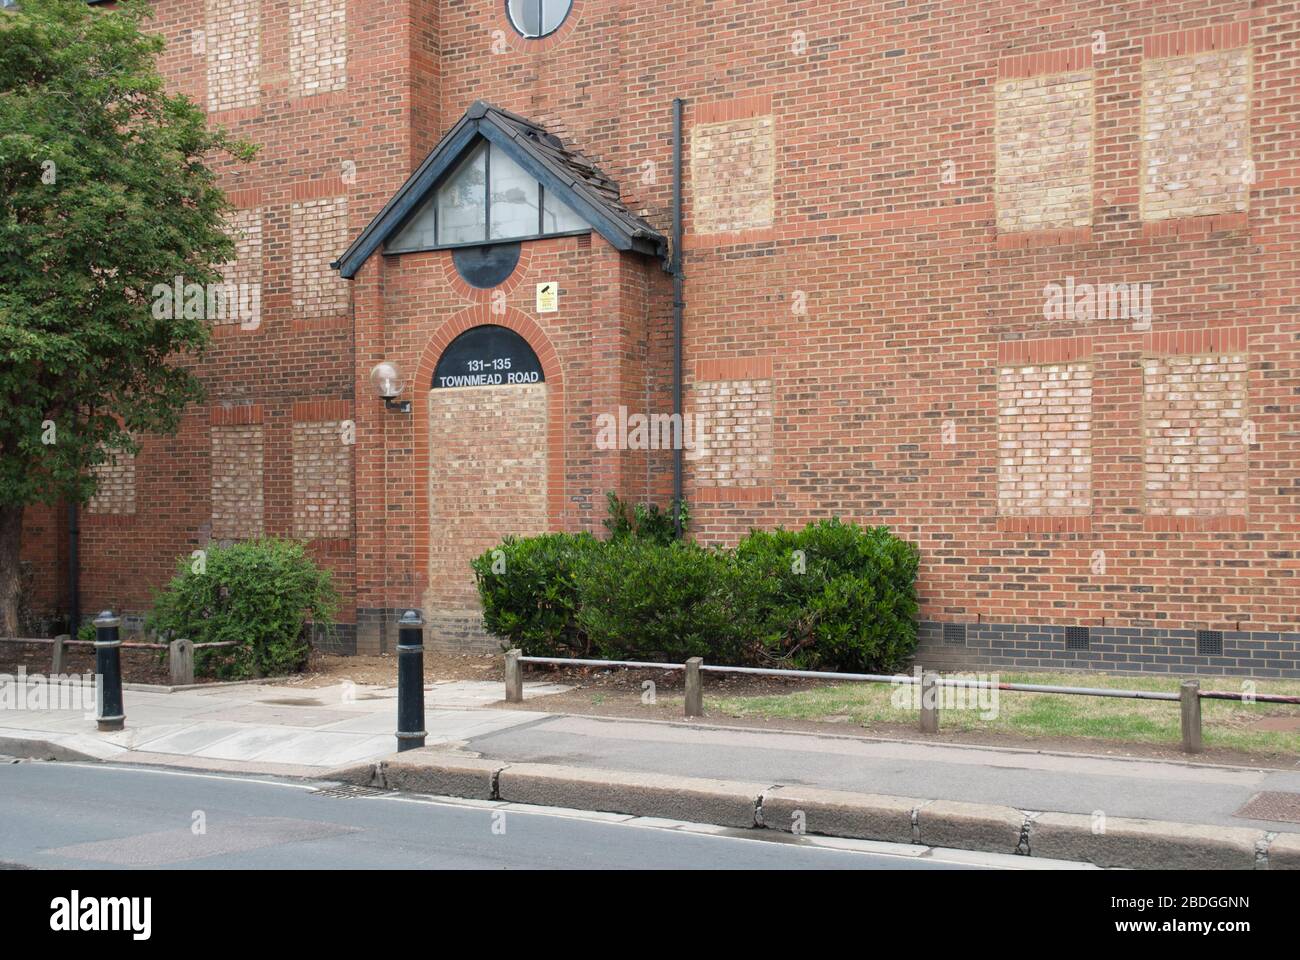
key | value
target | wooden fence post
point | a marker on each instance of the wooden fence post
(1190, 692)
(514, 678)
(181, 660)
(694, 688)
(929, 702)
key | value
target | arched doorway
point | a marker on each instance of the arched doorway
(488, 468)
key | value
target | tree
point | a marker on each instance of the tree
(105, 193)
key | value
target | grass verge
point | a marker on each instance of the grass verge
(1236, 726)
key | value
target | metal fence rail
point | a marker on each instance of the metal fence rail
(180, 653)
(1189, 696)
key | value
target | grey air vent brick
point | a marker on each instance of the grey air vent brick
(1209, 643)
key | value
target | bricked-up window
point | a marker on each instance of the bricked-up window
(232, 40)
(319, 232)
(487, 479)
(1196, 135)
(733, 173)
(537, 18)
(1044, 152)
(245, 271)
(1196, 435)
(733, 431)
(115, 492)
(237, 481)
(322, 481)
(1045, 440)
(487, 198)
(318, 46)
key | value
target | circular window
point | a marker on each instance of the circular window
(537, 18)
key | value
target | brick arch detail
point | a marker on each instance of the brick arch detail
(480, 294)
(536, 337)
(523, 44)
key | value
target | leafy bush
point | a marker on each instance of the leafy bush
(529, 588)
(644, 600)
(831, 596)
(644, 521)
(258, 593)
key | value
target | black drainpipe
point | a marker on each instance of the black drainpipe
(679, 304)
(74, 570)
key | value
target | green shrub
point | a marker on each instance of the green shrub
(832, 596)
(643, 600)
(258, 593)
(529, 589)
(644, 521)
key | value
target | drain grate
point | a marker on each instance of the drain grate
(348, 791)
(1272, 805)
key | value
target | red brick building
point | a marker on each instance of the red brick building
(1017, 279)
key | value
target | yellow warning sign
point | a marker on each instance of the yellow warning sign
(548, 297)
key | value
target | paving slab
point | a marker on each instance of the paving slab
(260, 723)
(194, 739)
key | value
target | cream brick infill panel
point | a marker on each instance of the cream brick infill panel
(1196, 135)
(237, 481)
(115, 492)
(322, 481)
(734, 420)
(319, 232)
(233, 42)
(733, 175)
(318, 48)
(1045, 440)
(245, 271)
(1044, 132)
(488, 480)
(1195, 428)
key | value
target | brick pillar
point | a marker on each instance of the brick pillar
(609, 354)
(369, 459)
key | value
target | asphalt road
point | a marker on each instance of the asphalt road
(74, 815)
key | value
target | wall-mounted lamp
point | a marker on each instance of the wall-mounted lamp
(388, 383)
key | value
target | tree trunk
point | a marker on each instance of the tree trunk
(11, 529)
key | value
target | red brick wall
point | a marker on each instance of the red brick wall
(902, 270)
(344, 148)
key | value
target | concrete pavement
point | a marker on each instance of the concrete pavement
(1027, 779)
(286, 729)
(582, 761)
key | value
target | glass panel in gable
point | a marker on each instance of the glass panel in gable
(462, 202)
(418, 233)
(558, 217)
(514, 199)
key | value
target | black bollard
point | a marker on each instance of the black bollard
(108, 666)
(410, 681)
